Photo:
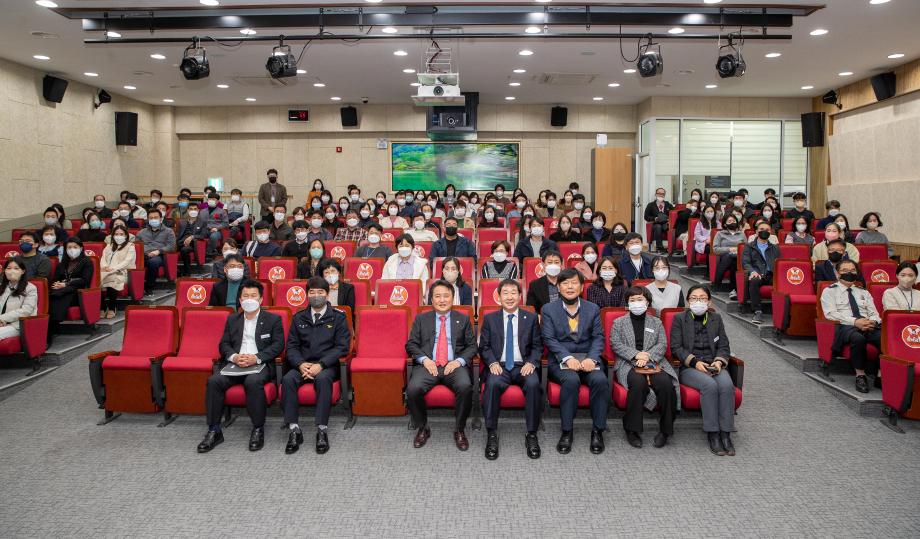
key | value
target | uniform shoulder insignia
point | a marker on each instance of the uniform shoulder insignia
(833, 285)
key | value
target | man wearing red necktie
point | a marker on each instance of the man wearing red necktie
(442, 345)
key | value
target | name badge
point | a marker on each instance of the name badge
(267, 335)
(716, 339)
(650, 330)
(328, 326)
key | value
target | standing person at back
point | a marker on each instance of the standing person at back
(271, 194)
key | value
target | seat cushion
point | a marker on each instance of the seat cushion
(803, 299)
(137, 363)
(73, 313)
(619, 395)
(188, 363)
(553, 391)
(236, 395)
(306, 395)
(440, 396)
(690, 398)
(378, 364)
(513, 397)
(10, 346)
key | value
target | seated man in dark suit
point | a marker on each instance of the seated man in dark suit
(757, 261)
(825, 270)
(442, 346)
(546, 289)
(226, 292)
(318, 337)
(510, 345)
(452, 244)
(572, 331)
(634, 264)
(252, 337)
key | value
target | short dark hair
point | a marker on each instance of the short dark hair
(573, 185)
(632, 236)
(437, 283)
(252, 283)
(299, 224)
(405, 237)
(499, 186)
(271, 170)
(799, 196)
(156, 192)
(317, 282)
(570, 273)
(262, 225)
(769, 191)
(31, 233)
(153, 210)
(702, 287)
(327, 263)
(865, 219)
(375, 225)
(549, 253)
(907, 265)
(508, 282)
(639, 291)
(838, 265)
(839, 242)
(451, 218)
(501, 243)
(832, 204)
(214, 194)
(235, 257)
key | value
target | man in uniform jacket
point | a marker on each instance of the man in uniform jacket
(656, 213)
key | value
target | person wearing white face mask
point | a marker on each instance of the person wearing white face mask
(833, 210)
(665, 294)
(501, 266)
(870, 224)
(372, 248)
(578, 204)
(588, 265)
(340, 292)
(550, 209)
(73, 273)
(800, 201)
(567, 231)
(453, 274)
(251, 341)
(609, 290)
(405, 264)
(532, 241)
(280, 229)
(226, 291)
(238, 214)
(18, 297)
(546, 289)
(158, 240)
(100, 207)
(703, 232)
(800, 233)
(903, 297)
(352, 230)
(190, 230)
(392, 219)
(656, 213)
(317, 190)
(634, 264)
(49, 245)
(229, 247)
(462, 214)
(699, 342)
(639, 342)
(218, 220)
(117, 259)
(261, 245)
(316, 230)
(420, 231)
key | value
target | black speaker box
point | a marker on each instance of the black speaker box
(559, 117)
(884, 85)
(53, 89)
(126, 128)
(349, 116)
(812, 129)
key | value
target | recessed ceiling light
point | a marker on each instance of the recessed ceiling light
(167, 100)
(773, 54)
(209, 2)
(711, 86)
(598, 98)
(543, 1)
(711, 1)
(629, 71)
(373, 1)
(514, 84)
(158, 56)
(335, 98)
(676, 30)
(247, 31)
(818, 32)
(46, 3)
(896, 55)
(223, 86)
(250, 99)
(808, 87)
(389, 30)
(877, 2)
(845, 73)
(415, 84)
(319, 85)
(519, 71)
(614, 85)
(91, 74)
(510, 98)
(129, 87)
(525, 52)
(408, 70)
(41, 57)
(400, 53)
(112, 34)
(533, 30)
(301, 71)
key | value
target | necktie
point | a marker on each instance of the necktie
(316, 318)
(440, 354)
(509, 344)
(853, 305)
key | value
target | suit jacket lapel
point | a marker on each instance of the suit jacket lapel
(521, 333)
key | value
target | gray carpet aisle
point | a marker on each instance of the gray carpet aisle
(806, 466)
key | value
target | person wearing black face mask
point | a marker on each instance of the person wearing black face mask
(725, 247)
(825, 269)
(859, 321)
(757, 262)
(452, 244)
(271, 194)
(616, 242)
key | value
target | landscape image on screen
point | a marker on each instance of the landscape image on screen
(469, 166)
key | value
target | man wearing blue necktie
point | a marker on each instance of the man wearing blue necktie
(510, 346)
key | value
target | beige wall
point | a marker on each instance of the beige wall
(65, 152)
(875, 164)
(722, 107)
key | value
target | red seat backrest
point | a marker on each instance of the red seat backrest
(286, 318)
(422, 248)
(192, 292)
(608, 315)
(41, 286)
(340, 250)
(399, 292)
(466, 269)
(139, 254)
(787, 224)
(794, 251)
(793, 276)
(819, 236)
(667, 320)
(513, 224)
(364, 269)
(202, 329)
(533, 269)
(741, 246)
(17, 232)
(150, 330)
(290, 293)
(276, 268)
(94, 248)
(571, 251)
(878, 290)
(9, 250)
(489, 235)
(94, 282)
(267, 296)
(872, 251)
(901, 335)
(362, 292)
(251, 264)
(390, 234)
(468, 233)
(382, 333)
(879, 271)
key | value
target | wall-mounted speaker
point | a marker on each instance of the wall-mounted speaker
(813, 129)
(884, 85)
(349, 116)
(559, 117)
(53, 89)
(126, 128)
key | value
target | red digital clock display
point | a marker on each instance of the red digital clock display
(299, 115)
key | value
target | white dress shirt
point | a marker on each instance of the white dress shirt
(518, 358)
(248, 344)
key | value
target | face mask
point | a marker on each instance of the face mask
(74, 252)
(638, 308)
(579, 205)
(273, 179)
(450, 230)
(698, 307)
(373, 238)
(801, 227)
(460, 213)
(451, 275)
(343, 206)
(419, 225)
(301, 236)
(49, 239)
(250, 305)
(262, 236)
(212, 203)
(590, 258)
(316, 252)
(234, 198)
(634, 249)
(695, 197)
(405, 251)
(316, 204)
(763, 234)
(427, 215)
(182, 205)
(489, 216)
(381, 200)
(598, 225)
(352, 222)
(51, 220)
(354, 198)
(835, 257)
(848, 277)
(132, 203)
(536, 231)
(661, 274)
(154, 223)
(432, 202)
(906, 282)
(332, 278)
(830, 236)
(13, 274)
(738, 202)
(192, 214)
(872, 225)
(25, 247)
(419, 196)
(608, 275)
(279, 216)
(586, 216)
(709, 215)
(499, 256)
(316, 223)
(499, 194)
(450, 193)
(714, 200)
(365, 214)
(325, 199)
(492, 204)
(520, 204)
(842, 225)
(99, 203)
(317, 187)
(834, 212)
(393, 211)
(691, 209)
(731, 226)
(234, 274)
(767, 214)
(800, 204)
(528, 213)
(401, 201)
(574, 191)
(550, 203)
(330, 216)
(553, 269)
(659, 198)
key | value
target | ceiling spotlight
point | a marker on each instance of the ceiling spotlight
(301, 71)
(250, 99)
(223, 86)
(712, 86)
(158, 56)
(335, 98)
(389, 30)
(896, 55)
(510, 98)
(525, 52)
(400, 53)
(319, 85)
(282, 62)
(832, 98)
(614, 85)
(129, 87)
(844, 73)
(650, 63)
(711, 1)
(773, 55)
(112, 34)
(409, 70)
(91, 74)
(167, 100)
(248, 32)
(676, 30)
(818, 32)
(373, 1)
(873, 2)
(514, 84)
(46, 3)
(731, 64)
(519, 71)
(209, 2)
(103, 97)
(194, 63)
(41, 57)
(533, 30)
(629, 71)
(597, 98)
(808, 87)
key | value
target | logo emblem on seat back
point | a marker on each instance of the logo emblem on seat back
(879, 276)
(419, 251)
(365, 271)
(538, 270)
(911, 336)
(276, 273)
(296, 295)
(196, 294)
(795, 276)
(495, 297)
(338, 252)
(399, 295)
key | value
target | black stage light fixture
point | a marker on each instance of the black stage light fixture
(832, 98)
(282, 62)
(731, 64)
(650, 64)
(104, 97)
(195, 64)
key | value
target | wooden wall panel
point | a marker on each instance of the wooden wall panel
(612, 178)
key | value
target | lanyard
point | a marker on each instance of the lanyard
(908, 300)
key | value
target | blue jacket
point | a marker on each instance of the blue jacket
(464, 249)
(492, 338)
(561, 342)
(628, 270)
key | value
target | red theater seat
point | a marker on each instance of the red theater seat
(89, 299)
(290, 293)
(825, 330)
(533, 269)
(900, 365)
(467, 269)
(879, 271)
(378, 369)
(33, 330)
(766, 291)
(793, 298)
(364, 269)
(340, 250)
(878, 290)
(276, 268)
(871, 251)
(571, 252)
(399, 293)
(193, 292)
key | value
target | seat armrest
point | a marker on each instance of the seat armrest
(102, 355)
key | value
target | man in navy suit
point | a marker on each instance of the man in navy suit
(452, 243)
(572, 331)
(510, 346)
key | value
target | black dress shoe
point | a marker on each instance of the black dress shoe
(533, 445)
(634, 439)
(862, 383)
(492, 446)
(295, 438)
(597, 441)
(661, 440)
(727, 444)
(421, 437)
(322, 441)
(460, 439)
(565, 443)
(211, 439)
(256, 438)
(715, 445)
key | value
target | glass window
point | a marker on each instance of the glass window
(644, 146)
(756, 157)
(795, 162)
(667, 157)
(706, 156)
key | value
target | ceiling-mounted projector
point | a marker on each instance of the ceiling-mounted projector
(438, 94)
(439, 83)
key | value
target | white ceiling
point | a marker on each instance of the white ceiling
(860, 39)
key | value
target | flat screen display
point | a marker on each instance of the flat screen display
(470, 166)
